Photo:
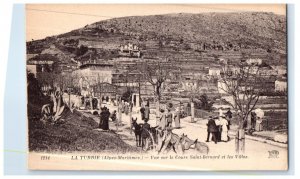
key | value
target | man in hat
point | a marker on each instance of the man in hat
(142, 110)
(228, 114)
(169, 115)
(212, 129)
(147, 112)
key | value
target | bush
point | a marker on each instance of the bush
(81, 50)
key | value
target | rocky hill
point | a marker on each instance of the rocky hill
(181, 35)
(262, 30)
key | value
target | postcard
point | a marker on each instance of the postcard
(157, 87)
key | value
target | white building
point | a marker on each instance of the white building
(280, 85)
(254, 61)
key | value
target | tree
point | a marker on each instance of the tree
(204, 103)
(156, 73)
(126, 96)
(81, 50)
(243, 84)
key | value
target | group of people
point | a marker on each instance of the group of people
(169, 118)
(218, 127)
(254, 122)
(105, 114)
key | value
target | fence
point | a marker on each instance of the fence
(274, 124)
(275, 120)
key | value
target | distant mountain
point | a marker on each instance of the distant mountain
(165, 35)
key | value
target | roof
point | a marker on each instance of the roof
(96, 64)
(281, 79)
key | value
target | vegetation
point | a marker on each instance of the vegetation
(81, 50)
(76, 134)
(244, 86)
(203, 102)
(35, 97)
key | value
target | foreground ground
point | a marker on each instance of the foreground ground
(80, 133)
(76, 134)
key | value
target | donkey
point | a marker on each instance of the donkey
(149, 137)
(137, 131)
(167, 140)
(186, 144)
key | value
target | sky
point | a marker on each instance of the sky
(44, 20)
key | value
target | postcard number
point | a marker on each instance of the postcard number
(45, 157)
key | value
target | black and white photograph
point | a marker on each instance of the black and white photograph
(157, 87)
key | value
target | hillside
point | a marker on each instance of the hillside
(261, 29)
(76, 134)
(177, 36)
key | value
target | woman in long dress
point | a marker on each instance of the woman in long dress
(177, 118)
(224, 126)
(258, 124)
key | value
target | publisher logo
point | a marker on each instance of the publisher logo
(273, 154)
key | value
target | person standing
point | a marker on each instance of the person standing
(145, 135)
(119, 113)
(147, 112)
(229, 114)
(169, 115)
(130, 115)
(212, 129)
(126, 108)
(113, 116)
(253, 120)
(101, 118)
(224, 126)
(249, 124)
(142, 110)
(162, 119)
(258, 125)
(177, 118)
(105, 125)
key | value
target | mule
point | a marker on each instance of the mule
(167, 141)
(137, 128)
(187, 143)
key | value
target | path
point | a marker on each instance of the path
(196, 131)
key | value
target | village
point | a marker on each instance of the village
(191, 80)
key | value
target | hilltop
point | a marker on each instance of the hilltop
(176, 36)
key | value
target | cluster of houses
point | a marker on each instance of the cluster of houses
(121, 76)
